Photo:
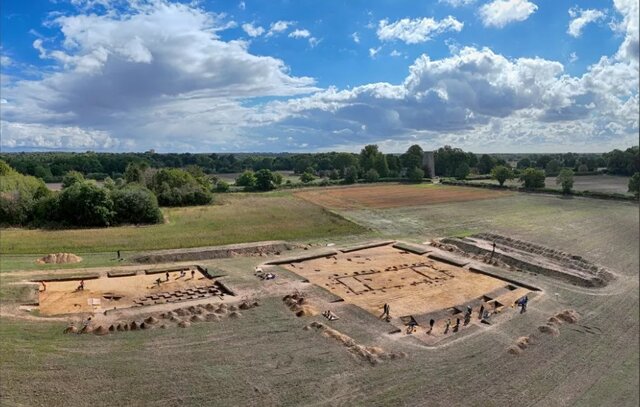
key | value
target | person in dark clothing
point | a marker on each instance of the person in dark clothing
(431, 324)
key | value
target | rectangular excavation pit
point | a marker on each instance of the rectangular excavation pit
(411, 284)
(62, 296)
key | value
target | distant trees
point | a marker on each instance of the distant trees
(85, 204)
(372, 175)
(501, 174)
(634, 184)
(247, 179)
(449, 162)
(18, 195)
(307, 177)
(565, 179)
(486, 164)
(623, 162)
(267, 180)
(462, 171)
(415, 174)
(553, 167)
(350, 175)
(371, 158)
(71, 178)
(176, 187)
(135, 204)
(532, 178)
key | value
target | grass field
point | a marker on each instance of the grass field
(266, 358)
(237, 218)
(594, 183)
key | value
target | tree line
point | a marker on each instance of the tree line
(449, 162)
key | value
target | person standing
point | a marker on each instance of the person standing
(447, 325)
(431, 324)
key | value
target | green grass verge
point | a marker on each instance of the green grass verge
(239, 218)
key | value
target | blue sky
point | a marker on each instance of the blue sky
(312, 75)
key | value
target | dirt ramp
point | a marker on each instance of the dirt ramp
(59, 258)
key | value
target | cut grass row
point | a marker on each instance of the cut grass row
(236, 218)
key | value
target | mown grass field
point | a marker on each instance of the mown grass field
(235, 218)
(266, 358)
(594, 183)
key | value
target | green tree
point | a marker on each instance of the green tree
(86, 204)
(351, 175)
(524, 163)
(532, 178)
(18, 195)
(486, 164)
(462, 171)
(501, 174)
(342, 161)
(367, 156)
(176, 187)
(277, 178)
(380, 165)
(264, 180)
(247, 179)
(71, 178)
(415, 174)
(371, 175)
(134, 173)
(412, 158)
(634, 184)
(553, 168)
(565, 178)
(583, 168)
(222, 186)
(135, 204)
(307, 177)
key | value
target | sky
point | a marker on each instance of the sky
(318, 75)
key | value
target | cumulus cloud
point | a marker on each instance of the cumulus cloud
(374, 51)
(355, 37)
(16, 135)
(279, 27)
(253, 30)
(457, 3)
(475, 94)
(630, 48)
(499, 13)
(414, 31)
(580, 18)
(299, 34)
(146, 73)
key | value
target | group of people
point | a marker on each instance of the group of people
(182, 275)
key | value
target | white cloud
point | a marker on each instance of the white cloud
(16, 135)
(413, 31)
(573, 57)
(299, 34)
(630, 48)
(395, 53)
(253, 30)
(355, 37)
(374, 51)
(580, 18)
(313, 41)
(279, 26)
(242, 5)
(475, 98)
(499, 13)
(160, 76)
(457, 3)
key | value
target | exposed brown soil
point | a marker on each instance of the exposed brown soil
(261, 249)
(393, 196)
(59, 258)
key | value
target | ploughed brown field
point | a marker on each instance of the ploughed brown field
(394, 196)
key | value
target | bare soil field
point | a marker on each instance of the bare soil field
(393, 196)
(575, 345)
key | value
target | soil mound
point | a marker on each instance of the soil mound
(210, 307)
(151, 320)
(235, 314)
(523, 342)
(212, 318)
(233, 308)
(221, 311)
(306, 311)
(184, 324)
(112, 328)
(181, 312)
(569, 316)
(70, 330)
(144, 326)
(101, 330)
(514, 350)
(134, 326)
(59, 258)
(245, 306)
(554, 321)
(120, 327)
(549, 329)
(197, 318)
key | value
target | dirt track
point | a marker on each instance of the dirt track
(393, 196)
